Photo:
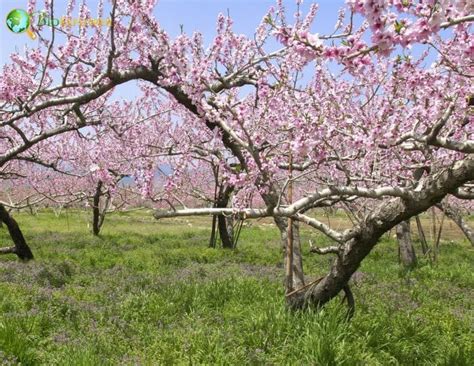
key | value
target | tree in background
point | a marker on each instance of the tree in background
(370, 114)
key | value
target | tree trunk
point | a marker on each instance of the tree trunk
(21, 249)
(405, 244)
(96, 209)
(230, 229)
(365, 236)
(456, 216)
(226, 236)
(212, 239)
(104, 209)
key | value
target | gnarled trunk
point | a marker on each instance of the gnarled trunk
(405, 244)
(21, 249)
(365, 236)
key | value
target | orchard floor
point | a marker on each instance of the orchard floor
(153, 293)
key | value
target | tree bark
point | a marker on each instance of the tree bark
(21, 249)
(365, 236)
(456, 216)
(405, 244)
(230, 229)
(98, 215)
(226, 236)
(212, 239)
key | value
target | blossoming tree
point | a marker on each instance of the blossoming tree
(373, 125)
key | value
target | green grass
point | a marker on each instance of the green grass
(152, 293)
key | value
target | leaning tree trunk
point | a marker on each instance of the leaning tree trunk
(362, 238)
(21, 249)
(405, 245)
(456, 216)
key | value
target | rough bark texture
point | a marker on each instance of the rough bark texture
(405, 244)
(366, 235)
(21, 249)
(456, 216)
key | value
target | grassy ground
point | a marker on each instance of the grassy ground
(152, 293)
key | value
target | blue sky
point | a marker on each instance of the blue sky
(192, 14)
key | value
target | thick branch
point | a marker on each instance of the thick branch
(247, 213)
(383, 218)
(326, 250)
(333, 234)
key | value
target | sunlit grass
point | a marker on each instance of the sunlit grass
(150, 293)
